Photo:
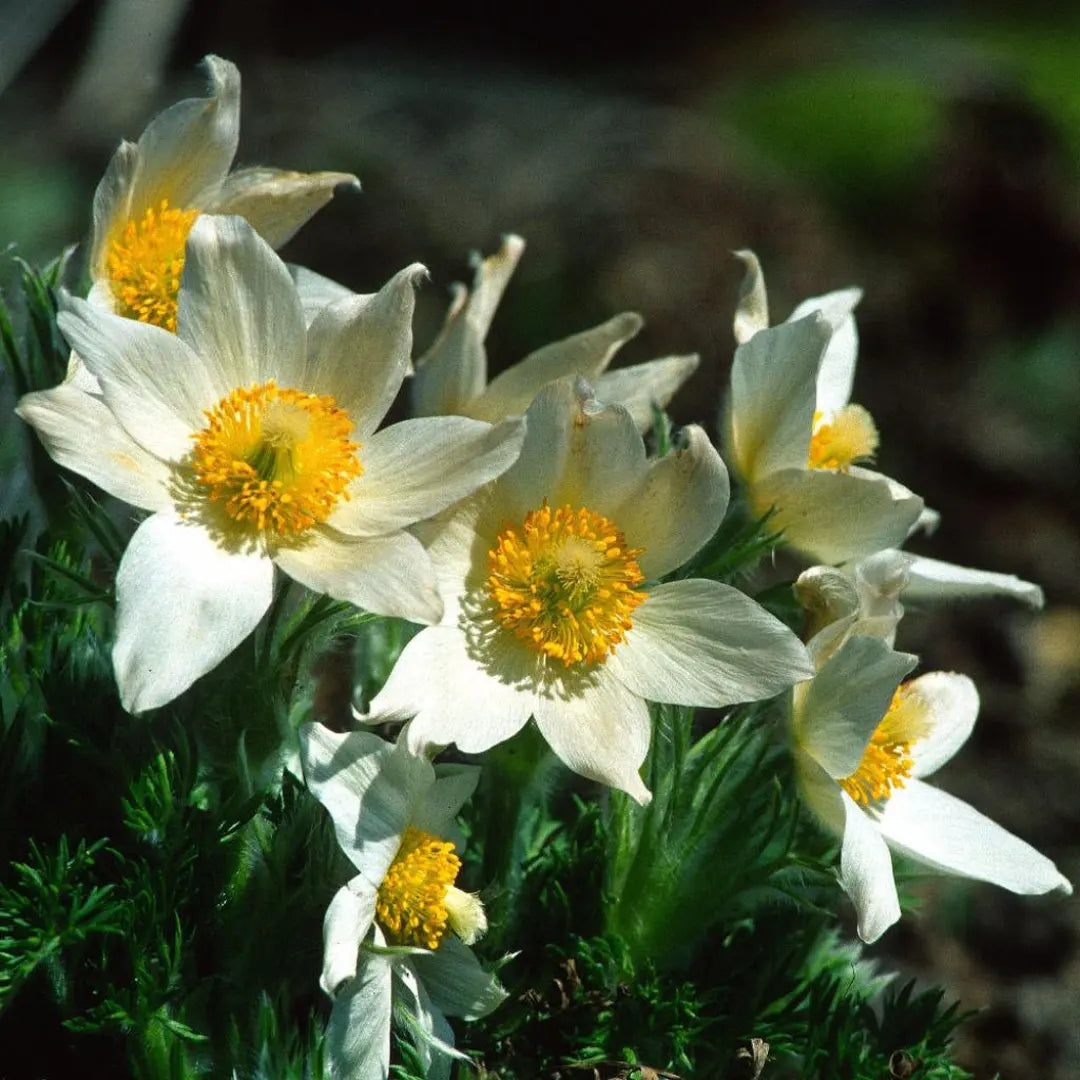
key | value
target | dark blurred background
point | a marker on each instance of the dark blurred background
(928, 153)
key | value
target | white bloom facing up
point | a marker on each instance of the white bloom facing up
(396, 936)
(794, 437)
(548, 610)
(864, 742)
(451, 377)
(154, 189)
(252, 440)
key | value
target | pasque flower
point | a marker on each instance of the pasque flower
(252, 441)
(397, 935)
(552, 610)
(795, 438)
(864, 741)
(451, 377)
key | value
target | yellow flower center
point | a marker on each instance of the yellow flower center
(411, 902)
(886, 762)
(145, 261)
(565, 583)
(276, 461)
(848, 436)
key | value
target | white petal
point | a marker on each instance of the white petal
(943, 832)
(698, 642)
(345, 925)
(454, 370)
(826, 595)
(456, 697)
(952, 704)
(837, 371)
(866, 873)
(641, 386)
(430, 1033)
(772, 397)
(931, 579)
(81, 434)
(154, 385)
(456, 983)
(112, 203)
(276, 202)
(360, 348)
(752, 310)
(417, 468)
(358, 1032)
(598, 728)
(454, 785)
(190, 145)
(841, 707)
(835, 517)
(238, 307)
(371, 789)
(315, 291)
(182, 605)
(677, 505)
(586, 354)
(881, 580)
(386, 575)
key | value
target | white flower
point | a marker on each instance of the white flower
(795, 438)
(864, 741)
(451, 377)
(547, 609)
(253, 442)
(154, 189)
(397, 935)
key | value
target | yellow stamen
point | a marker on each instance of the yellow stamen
(565, 583)
(145, 261)
(848, 436)
(411, 902)
(277, 461)
(887, 763)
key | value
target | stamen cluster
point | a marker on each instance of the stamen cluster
(848, 436)
(411, 901)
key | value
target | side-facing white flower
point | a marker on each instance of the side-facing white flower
(396, 936)
(794, 437)
(548, 613)
(863, 742)
(252, 440)
(451, 377)
(154, 189)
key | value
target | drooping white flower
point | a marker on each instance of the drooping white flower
(397, 935)
(154, 189)
(794, 436)
(549, 611)
(864, 741)
(252, 440)
(452, 376)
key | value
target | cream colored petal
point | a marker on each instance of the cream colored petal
(358, 1031)
(454, 785)
(586, 354)
(640, 387)
(841, 707)
(836, 517)
(454, 370)
(387, 575)
(276, 202)
(881, 579)
(238, 307)
(415, 469)
(152, 382)
(946, 834)
(316, 292)
(345, 925)
(837, 372)
(81, 434)
(951, 705)
(773, 381)
(752, 310)
(676, 506)
(182, 605)
(599, 729)
(826, 595)
(931, 580)
(112, 204)
(866, 873)
(359, 349)
(697, 642)
(190, 146)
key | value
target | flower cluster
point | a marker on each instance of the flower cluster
(552, 561)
